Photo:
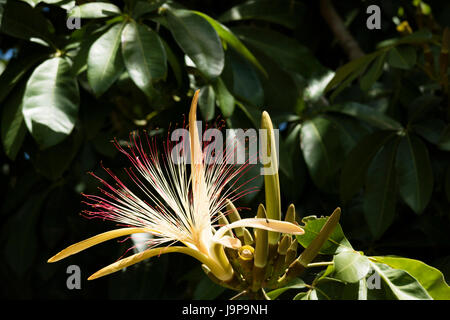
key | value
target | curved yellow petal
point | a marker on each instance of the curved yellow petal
(80, 246)
(266, 224)
(138, 257)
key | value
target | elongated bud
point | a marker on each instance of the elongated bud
(271, 181)
(299, 265)
(290, 214)
(284, 245)
(234, 215)
(279, 265)
(291, 254)
(314, 247)
(248, 239)
(261, 249)
(261, 253)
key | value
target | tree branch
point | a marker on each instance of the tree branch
(345, 39)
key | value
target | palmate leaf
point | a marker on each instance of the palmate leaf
(350, 266)
(349, 72)
(198, 39)
(95, 10)
(243, 80)
(297, 283)
(225, 100)
(373, 73)
(15, 70)
(105, 62)
(366, 114)
(227, 36)
(284, 12)
(144, 55)
(414, 172)
(357, 163)
(430, 278)
(13, 127)
(22, 21)
(402, 57)
(288, 53)
(51, 101)
(395, 284)
(207, 102)
(399, 284)
(381, 190)
(319, 141)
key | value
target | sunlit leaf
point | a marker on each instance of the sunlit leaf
(198, 39)
(51, 101)
(143, 54)
(105, 62)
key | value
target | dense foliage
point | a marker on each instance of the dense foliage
(370, 134)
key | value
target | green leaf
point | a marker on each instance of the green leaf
(22, 21)
(143, 54)
(224, 98)
(430, 129)
(227, 36)
(336, 243)
(54, 161)
(83, 45)
(297, 283)
(350, 266)
(356, 290)
(143, 7)
(94, 10)
(381, 190)
(283, 12)
(374, 72)
(367, 114)
(301, 296)
(14, 72)
(348, 72)
(326, 289)
(431, 279)
(351, 130)
(415, 176)
(207, 102)
(21, 248)
(319, 141)
(285, 51)
(173, 62)
(245, 81)
(422, 35)
(13, 127)
(400, 284)
(105, 62)
(403, 57)
(51, 101)
(198, 39)
(357, 162)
